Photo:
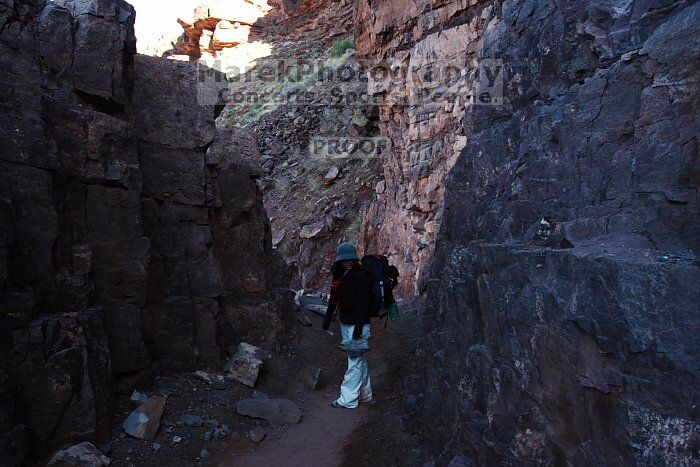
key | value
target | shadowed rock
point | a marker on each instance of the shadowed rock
(314, 378)
(245, 364)
(80, 455)
(275, 411)
(143, 423)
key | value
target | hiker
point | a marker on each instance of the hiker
(350, 295)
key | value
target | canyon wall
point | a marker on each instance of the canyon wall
(132, 232)
(421, 108)
(561, 325)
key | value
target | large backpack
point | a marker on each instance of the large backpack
(384, 279)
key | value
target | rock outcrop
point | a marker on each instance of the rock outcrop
(127, 223)
(414, 47)
(201, 211)
(190, 29)
(562, 323)
(218, 25)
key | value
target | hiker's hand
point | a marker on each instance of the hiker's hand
(356, 335)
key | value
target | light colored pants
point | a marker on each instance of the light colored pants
(356, 384)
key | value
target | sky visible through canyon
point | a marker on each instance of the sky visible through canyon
(156, 19)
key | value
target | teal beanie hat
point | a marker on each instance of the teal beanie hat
(346, 251)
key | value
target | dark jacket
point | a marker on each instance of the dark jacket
(351, 297)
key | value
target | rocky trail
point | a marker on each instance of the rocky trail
(195, 411)
(372, 435)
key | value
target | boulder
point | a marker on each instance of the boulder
(244, 348)
(275, 411)
(259, 395)
(314, 303)
(80, 455)
(243, 368)
(278, 238)
(316, 308)
(245, 364)
(143, 423)
(381, 187)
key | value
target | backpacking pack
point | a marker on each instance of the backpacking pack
(384, 278)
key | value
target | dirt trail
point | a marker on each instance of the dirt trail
(318, 440)
(367, 436)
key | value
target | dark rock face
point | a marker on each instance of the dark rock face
(70, 234)
(201, 211)
(62, 366)
(562, 320)
(128, 223)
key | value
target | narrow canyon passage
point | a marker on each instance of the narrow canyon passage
(187, 186)
(374, 434)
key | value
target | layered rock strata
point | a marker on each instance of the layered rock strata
(413, 51)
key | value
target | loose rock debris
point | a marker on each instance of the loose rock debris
(215, 380)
